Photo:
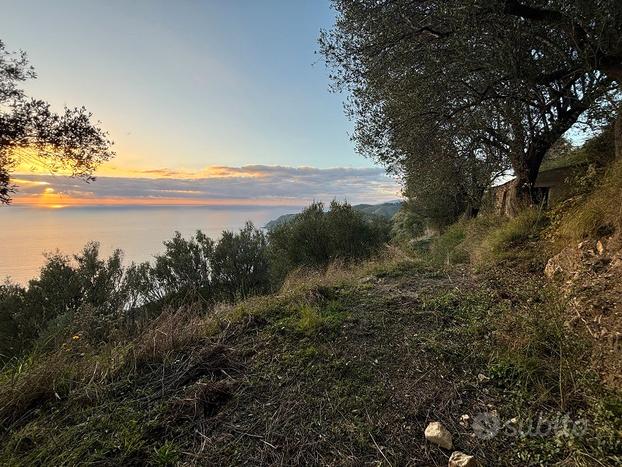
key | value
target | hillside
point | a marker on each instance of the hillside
(347, 368)
(384, 210)
(503, 330)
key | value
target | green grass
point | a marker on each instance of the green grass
(487, 240)
(447, 249)
(596, 214)
(343, 367)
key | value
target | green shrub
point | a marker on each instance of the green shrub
(315, 238)
(98, 296)
(406, 225)
(241, 264)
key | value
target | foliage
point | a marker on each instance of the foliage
(598, 150)
(97, 298)
(453, 87)
(406, 224)
(241, 264)
(350, 342)
(29, 128)
(315, 237)
(185, 266)
(92, 297)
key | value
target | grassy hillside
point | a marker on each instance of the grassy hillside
(347, 366)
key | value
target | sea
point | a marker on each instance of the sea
(28, 233)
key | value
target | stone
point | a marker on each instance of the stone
(460, 459)
(600, 248)
(436, 433)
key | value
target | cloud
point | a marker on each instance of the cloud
(227, 185)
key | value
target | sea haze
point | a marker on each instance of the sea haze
(139, 231)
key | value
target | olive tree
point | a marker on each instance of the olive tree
(498, 78)
(29, 128)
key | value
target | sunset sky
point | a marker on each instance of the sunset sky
(207, 101)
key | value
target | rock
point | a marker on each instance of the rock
(436, 433)
(600, 248)
(460, 459)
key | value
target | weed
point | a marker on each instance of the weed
(165, 455)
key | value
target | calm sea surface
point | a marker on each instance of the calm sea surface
(26, 232)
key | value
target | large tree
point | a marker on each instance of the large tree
(30, 129)
(501, 77)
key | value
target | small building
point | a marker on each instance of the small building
(553, 184)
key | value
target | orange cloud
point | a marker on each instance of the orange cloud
(28, 162)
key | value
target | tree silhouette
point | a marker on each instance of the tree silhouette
(30, 129)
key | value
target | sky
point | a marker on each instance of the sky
(207, 101)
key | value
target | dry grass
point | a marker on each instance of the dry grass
(487, 239)
(599, 213)
(174, 330)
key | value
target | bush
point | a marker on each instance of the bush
(406, 225)
(184, 267)
(96, 297)
(314, 238)
(11, 300)
(241, 264)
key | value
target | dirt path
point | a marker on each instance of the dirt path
(361, 392)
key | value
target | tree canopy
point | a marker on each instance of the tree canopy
(477, 85)
(29, 128)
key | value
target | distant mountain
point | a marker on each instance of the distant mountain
(386, 210)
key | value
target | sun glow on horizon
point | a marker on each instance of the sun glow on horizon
(54, 200)
(40, 185)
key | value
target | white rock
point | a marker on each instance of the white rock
(460, 459)
(436, 433)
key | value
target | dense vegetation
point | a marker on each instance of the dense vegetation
(345, 364)
(98, 295)
(334, 339)
(452, 94)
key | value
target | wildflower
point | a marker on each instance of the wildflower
(76, 337)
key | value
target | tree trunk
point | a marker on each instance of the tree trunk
(522, 192)
(470, 212)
